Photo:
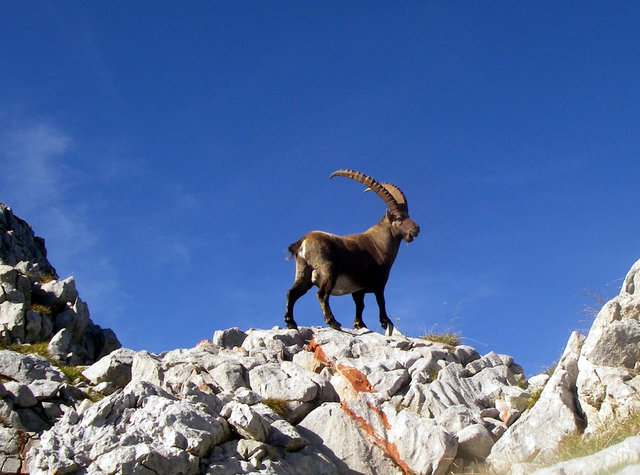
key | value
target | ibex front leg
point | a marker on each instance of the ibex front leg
(325, 285)
(385, 321)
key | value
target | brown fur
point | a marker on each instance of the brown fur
(355, 264)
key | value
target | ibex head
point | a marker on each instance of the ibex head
(402, 226)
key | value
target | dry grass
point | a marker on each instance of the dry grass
(447, 338)
(533, 398)
(41, 309)
(45, 277)
(578, 445)
(73, 373)
(279, 406)
(37, 348)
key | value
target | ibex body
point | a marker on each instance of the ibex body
(355, 264)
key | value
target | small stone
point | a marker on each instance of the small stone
(21, 394)
(229, 338)
(114, 368)
(58, 347)
(52, 410)
(475, 442)
(247, 396)
(247, 422)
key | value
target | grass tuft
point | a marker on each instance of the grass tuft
(37, 348)
(533, 398)
(279, 406)
(433, 373)
(41, 309)
(447, 338)
(73, 373)
(578, 445)
(45, 277)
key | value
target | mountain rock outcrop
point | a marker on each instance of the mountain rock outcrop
(36, 306)
(279, 401)
(313, 400)
(594, 387)
(608, 383)
(18, 243)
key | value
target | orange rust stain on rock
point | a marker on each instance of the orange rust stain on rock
(357, 379)
(381, 415)
(203, 342)
(387, 447)
(318, 353)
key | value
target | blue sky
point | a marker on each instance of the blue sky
(169, 152)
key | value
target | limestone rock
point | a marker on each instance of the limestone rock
(551, 418)
(27, 368)
(249, 456)
(331, 431)
(13, 322)
(424, 447)
(608, 386)
(623, 457)
(474, 442)
(230, 338)
(455, 418)
(229, 376)
(21, 394)
(18, 242)
(246, 421)
(114, 368)
(271, 381)
(282, 434)
(12, 442)
(58, 346)
(140, 426)
(57, 293)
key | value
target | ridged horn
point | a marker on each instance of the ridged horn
(397, 194)
(385, 194)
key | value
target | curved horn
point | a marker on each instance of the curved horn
(397, 194)
(372, 184)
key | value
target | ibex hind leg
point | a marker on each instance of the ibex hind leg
(324, 290)
(358, 298)
(300, 287)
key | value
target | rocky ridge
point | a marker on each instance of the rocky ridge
(313, 400)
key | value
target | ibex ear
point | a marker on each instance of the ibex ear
(393, 217)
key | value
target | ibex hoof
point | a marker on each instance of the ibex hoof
(292, 325)
(359, 326)
(335, 325)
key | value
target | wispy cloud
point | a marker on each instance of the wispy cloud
(32, 163)
(37, 161)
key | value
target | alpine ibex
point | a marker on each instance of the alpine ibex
(355, 264)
